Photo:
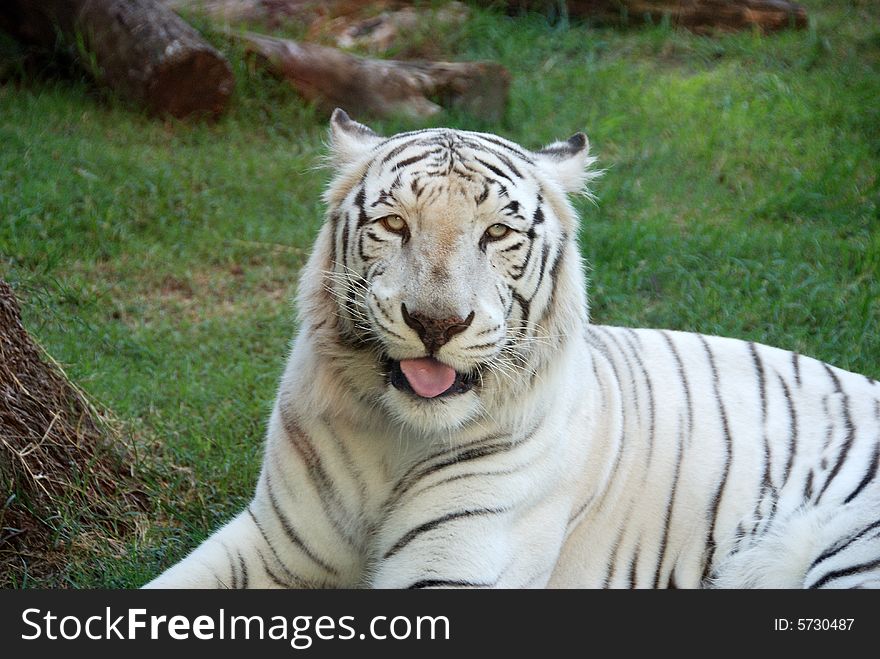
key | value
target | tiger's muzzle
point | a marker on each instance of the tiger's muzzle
(428, 378)
(435, 332)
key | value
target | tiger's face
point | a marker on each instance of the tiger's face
(448, 252)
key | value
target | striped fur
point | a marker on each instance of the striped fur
(574, 455)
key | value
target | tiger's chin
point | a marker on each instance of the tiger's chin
(430, 416)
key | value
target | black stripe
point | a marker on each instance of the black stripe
(278, 581)
(554, 277)
(526, 259)
(507, 162)
(291, 533)
(383, 313)
(434, 523)
(612, 560)
(834, 379)
(384, 196)
(513, 207)
(650, 386)
(839, 548)
(762, 384)
(629, 367)
(293, 577)
(414, 159)
(447, 583)
(234, 585)
(480, 448)
(483, 195)
(344, 250)
(542, 269)
(485, 137)
(400, 148)
(850, 436)
(869, 475)
(334, 227)
(332, 503)
(538, 217)
(808, 486)
(352, 468)
(684, 381)
(461, 171)
(359, 201)
(481, 346)
(414, 187)
(384, 327)
(579, 511)
(408, 479)
(633, 567)
(525, 306)
(711, 543)
(510, 248)
(766, 478)
(362, 238)
(470, 474)
(829, 431)
(667, 522)
(492, 168)
(796, 363)
(596, 342)
(793, 430)
(472, 454)
(846, 572)
(244, 571)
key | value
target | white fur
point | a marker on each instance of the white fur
(586, 456)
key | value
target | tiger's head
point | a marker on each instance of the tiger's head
(446, 278)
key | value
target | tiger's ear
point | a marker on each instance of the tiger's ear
(568, 163)
(349, 140)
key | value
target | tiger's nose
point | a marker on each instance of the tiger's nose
(435, 332)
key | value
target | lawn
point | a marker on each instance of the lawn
(157, 260)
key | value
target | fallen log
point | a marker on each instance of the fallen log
(382, 88)
(696, 15)
(139, 48)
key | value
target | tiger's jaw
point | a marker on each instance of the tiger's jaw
(428, 378)
(429, 396)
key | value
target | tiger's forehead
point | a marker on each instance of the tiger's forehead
(443, 150)
(437, 168)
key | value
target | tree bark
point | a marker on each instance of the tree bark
(696, 15)
(139, 48)
(382, 88)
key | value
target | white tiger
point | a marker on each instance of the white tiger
(449, 418)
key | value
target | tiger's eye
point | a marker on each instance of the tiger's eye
(497, 231)
(394, 223)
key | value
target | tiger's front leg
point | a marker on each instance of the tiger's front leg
(238, 555)
(460, 536)
(299, 531)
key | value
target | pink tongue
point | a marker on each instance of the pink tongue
(427, 376)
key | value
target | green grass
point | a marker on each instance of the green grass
(157, 260)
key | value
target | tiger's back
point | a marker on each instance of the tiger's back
(740, 465)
